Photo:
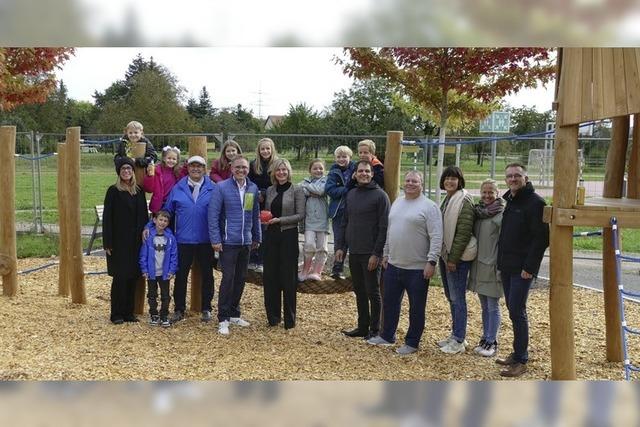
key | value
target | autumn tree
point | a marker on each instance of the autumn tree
(27, 74)
(452, 83)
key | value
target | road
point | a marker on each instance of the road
(587, 271)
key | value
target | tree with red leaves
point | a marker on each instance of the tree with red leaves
(26, 74)
(464, 83)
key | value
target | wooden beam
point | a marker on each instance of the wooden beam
(613, 182)
(197, 147)
(595, 218)
(8, 249)
(72, 175)
(63, 205)
(563, 365)
(139, 150)
(633, 175)
(392, 160)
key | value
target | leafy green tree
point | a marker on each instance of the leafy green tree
(301, 119)
(371, 106)
(201, 108)
(154, 100)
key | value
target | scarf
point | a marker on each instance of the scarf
(483, 211)
(196, 187)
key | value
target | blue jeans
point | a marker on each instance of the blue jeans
(455, 289)
(516, 292)
(396, 282)
(490, 317)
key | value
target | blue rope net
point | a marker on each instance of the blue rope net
(624, 328)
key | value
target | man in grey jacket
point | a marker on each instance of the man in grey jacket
(414, 240)
(365, 232)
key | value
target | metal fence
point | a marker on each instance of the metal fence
(36, 165)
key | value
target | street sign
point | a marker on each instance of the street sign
(497, 122)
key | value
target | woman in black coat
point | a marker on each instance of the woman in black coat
(124, 217)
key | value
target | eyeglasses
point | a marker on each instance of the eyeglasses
(126, 168)
(512, 176)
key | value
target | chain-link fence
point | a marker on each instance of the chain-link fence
(36, 166)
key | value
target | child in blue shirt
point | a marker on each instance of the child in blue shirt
(159, 263)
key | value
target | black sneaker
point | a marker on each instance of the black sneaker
(155, 320)
(177, 316)
(338, 276)
(164, 322)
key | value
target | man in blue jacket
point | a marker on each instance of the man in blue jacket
(234, 229)
(188, 202)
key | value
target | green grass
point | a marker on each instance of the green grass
(30, 245)
(630, 239)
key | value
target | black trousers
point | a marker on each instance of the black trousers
(123, 291)
(152, 296)
(234, 260)
(366, 286)
(280, 275)
(203, 254)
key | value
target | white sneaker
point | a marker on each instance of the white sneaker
(378, 340)
(445, 341)
(238, 321)
(259, 268)
(251, 266)
(489, 350)
(223, 327)
(453, 347)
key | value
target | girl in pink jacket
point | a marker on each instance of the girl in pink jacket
(161, 180)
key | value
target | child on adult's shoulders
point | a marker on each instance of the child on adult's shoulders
(134, 133)
(367, 151)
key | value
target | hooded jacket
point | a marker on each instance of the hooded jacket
(523, 236)
(148, 252)
(366, 217)
(337, 187)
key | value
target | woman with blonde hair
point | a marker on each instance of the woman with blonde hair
(484, 278)
(286, 202)
(259, 174)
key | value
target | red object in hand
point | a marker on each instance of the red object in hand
(265, 216)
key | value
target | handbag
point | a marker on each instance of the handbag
(471, 251)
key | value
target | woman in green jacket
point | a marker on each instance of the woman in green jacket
(458, 250)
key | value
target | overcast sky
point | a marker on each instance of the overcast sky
(273, 77)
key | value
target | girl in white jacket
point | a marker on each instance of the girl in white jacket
(316, 223)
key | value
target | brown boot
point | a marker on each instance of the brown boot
(506, 361)
(514, 370)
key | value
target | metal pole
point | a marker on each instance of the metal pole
(429, 159)
(33, 183)
(494, 145)
(424, 162)
(40, 226)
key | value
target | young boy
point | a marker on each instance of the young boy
(159, 263)
(339, 182)
(133, 133)
(367, 151)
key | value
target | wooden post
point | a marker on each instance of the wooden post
(613, 182)
(8, 251)
(633, 176)
(197, 147)
(63, 205)
(139, 150)
(72, 175)
(563, 366)
(392, 161)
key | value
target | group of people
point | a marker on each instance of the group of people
(250, 214)
(492, 248)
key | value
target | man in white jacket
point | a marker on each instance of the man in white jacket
(414, 240)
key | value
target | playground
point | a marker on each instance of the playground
(49, 338)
